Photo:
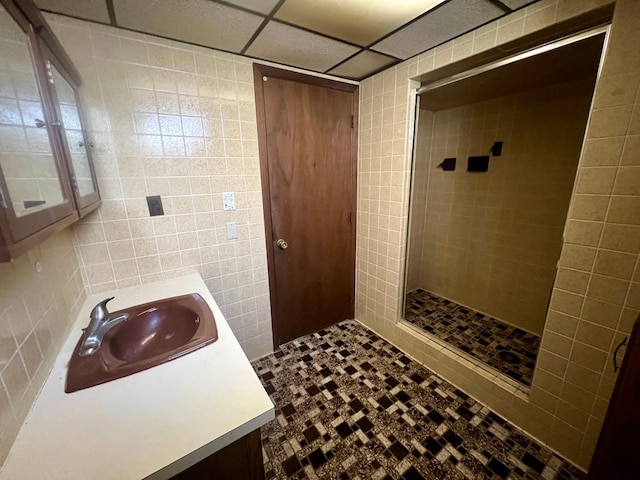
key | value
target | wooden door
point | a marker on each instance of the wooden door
(307, 150)
(619, 440)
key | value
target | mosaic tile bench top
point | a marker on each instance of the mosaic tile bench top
(475, 333)
(349, 405)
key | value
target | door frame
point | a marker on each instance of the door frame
(260, 71)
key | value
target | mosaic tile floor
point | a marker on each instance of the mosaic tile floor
(349, 405)
(475, 333)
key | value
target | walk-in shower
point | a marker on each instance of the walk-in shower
(495, 157)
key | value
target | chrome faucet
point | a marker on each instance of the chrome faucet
(101, 322)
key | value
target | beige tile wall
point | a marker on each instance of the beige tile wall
(178, 121)
(36, 311)
(492, 240)
(597, 295)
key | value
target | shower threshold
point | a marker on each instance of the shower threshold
(481, 336)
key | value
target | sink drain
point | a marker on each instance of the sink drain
(508, 357)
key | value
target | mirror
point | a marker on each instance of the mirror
(72, 128)
(495, 159)
(26, 152)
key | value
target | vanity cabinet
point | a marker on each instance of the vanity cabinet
(242, 459)
(47, 179)
(619, 441)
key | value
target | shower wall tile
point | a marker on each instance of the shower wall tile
(602, 151)
(602, 313)
(596, 180)
(540, 15)
(590, 207)
(561, 323)
(510, 27)
(614, 264)
(617, 90)
(177, 121)
(623, 238)
(595, 335)
(627, 181)
(560, 419)
(610, 121)
(581, 232)
(573, 281)
(480, 247)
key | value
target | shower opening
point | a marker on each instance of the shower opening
(496, 151)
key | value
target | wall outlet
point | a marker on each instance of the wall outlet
(228, 201)
(155, 206)
(232, 230)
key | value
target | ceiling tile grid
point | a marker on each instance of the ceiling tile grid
(260, 6)
(202, 22)
(292, 46)
(450, 20)
(362, 64)
(95, 10)
(515, 4)
(346, 38)
(361, 22)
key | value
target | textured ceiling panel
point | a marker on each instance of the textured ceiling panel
(95, 10)
(260, 6)
(362, 65)
(289, 45)
(197, 21)
(357, 21)
(513, 4)
(448, 21)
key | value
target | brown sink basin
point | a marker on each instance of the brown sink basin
(154, 333)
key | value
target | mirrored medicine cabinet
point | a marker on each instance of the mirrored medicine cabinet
(47, 178)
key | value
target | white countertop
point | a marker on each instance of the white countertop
(152, 424)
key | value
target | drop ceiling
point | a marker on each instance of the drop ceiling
(346, 38)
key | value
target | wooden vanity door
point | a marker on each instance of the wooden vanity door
(240, 460)
(619, 442)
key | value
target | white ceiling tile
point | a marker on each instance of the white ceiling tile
(513, 4)
(448, 21)
(95, 10)
(197, 21)
(357, 21)
(362, 65)
(289, 45)
(260, 6)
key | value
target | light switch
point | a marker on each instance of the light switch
(228, 201)
(232, 230)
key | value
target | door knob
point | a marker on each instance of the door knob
(282, 244)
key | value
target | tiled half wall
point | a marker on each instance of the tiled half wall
(596, 296)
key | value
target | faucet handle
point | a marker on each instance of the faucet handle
(100, 311)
